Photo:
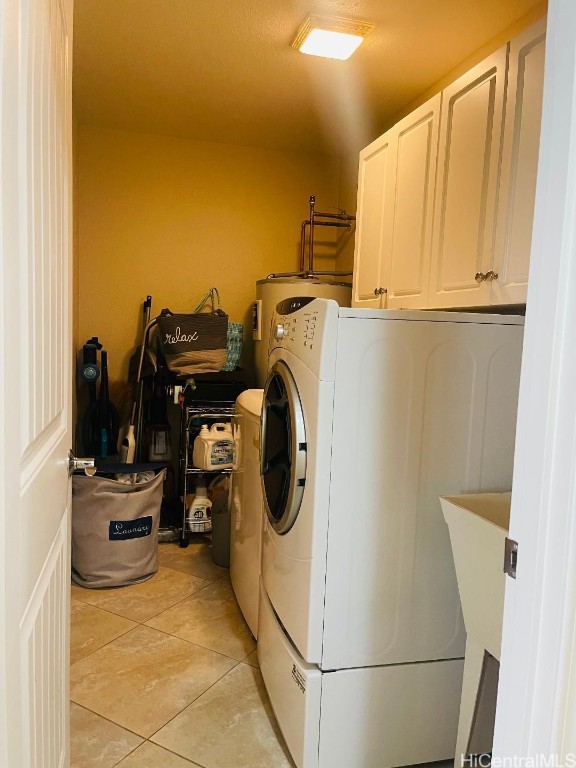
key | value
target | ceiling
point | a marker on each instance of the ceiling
(224, 71)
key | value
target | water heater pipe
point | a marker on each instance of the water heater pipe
(343, 220)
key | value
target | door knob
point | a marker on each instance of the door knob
(480, 276)
(491, 275)
(379, 291)
(87, 464)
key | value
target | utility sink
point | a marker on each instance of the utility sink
(478, 526)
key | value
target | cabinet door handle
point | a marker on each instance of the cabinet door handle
(379, 291)
(481, 276)
(491, 275)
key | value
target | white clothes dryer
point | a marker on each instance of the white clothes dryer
(245, 503)
(369, 416)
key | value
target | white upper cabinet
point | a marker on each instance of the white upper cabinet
(519, 166)
(395, 205)
(446, 196)
(368, 288)
(467, 185)
(408, 219)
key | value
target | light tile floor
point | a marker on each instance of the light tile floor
(164, 673)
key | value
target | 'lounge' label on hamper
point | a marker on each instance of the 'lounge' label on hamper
(130, 529)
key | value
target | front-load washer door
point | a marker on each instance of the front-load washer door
(283, 448)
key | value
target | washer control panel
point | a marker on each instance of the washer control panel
(289, 331)
(294, 323)
(308, 328)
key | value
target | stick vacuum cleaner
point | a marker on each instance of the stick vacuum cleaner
(100, 422)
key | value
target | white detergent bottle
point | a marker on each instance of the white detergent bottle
(200, 511)
(214, 447)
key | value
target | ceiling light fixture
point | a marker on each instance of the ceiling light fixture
(331, 37)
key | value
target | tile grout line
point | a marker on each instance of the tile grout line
(171, 751)
(143, 623)
(103, 646)
(223, 655)
(147, 741)
(177, 570)
(189, 705)
(197, 645)
(160, 565)
(186, 597)
(149, 738)
(162, 746)
(181, 600)
(168, 634)
(165, 632)
(112, 722)
(128, 754)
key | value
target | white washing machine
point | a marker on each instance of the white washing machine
(369, 416)
(245, 504)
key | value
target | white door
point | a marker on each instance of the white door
(536, 713)
(370, 261)
(465, 200)
(410, 204)
(35, 380)
(517, 191)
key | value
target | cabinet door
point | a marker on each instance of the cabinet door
(368, 287)
(465, 200)
(408, 220)
(519, 166)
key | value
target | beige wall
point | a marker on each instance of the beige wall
(347, 198)
(536, 13)
(349, 174)
(170, 217)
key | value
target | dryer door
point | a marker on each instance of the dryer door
(283, 448)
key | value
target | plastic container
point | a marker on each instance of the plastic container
(200, 511)
(214, 447)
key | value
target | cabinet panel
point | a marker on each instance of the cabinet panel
(368, 252)
(519, 165)
(469, 154)
(408, 228)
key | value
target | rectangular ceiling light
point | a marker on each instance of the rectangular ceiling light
(331, 37)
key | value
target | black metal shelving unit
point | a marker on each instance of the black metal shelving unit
(193, 416)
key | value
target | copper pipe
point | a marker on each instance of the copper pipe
(342, 223)
(306, 275)
(320, 275)
(311, 235)
(341, 215)
(344, 220)
(303, 245)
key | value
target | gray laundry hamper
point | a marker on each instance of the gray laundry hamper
(114, 530)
